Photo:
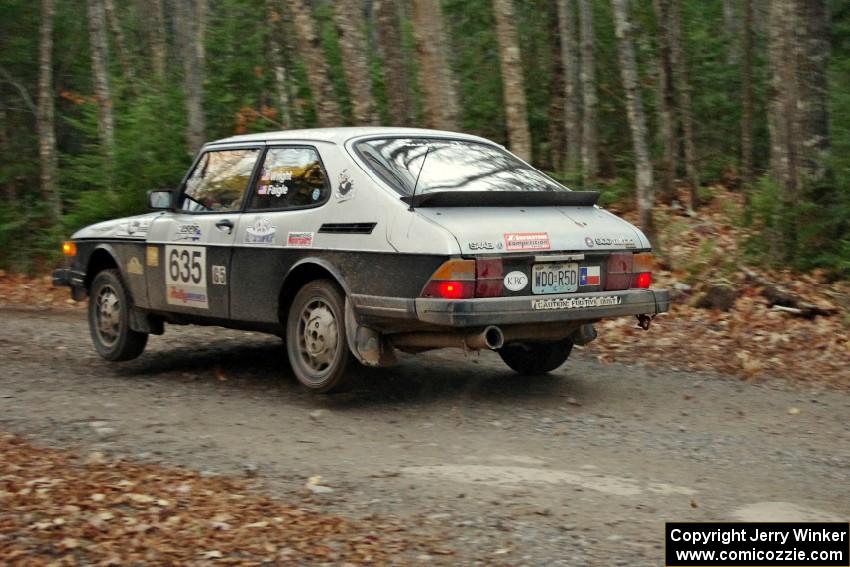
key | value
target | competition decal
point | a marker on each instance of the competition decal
(527, 241)
(556, 303)
(186, 276)
(299, 239)
(262, 232)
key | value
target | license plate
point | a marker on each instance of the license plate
(554, 278)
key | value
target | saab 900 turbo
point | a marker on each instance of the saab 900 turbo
(356, 243)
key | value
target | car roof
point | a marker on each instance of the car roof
(342, 134)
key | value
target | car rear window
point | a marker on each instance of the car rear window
(450, 165)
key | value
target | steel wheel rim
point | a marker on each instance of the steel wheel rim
(107, 313)
(318, 337)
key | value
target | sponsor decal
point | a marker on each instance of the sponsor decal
(527, 241)
(262, 232)
(576, 302)
(345, 189)
(299, 239)
(483, 245)
(589, 275)
(186, 276)
(516, 281)
(135, 267)
(152, 256)
(588, 241)
(219, 275)
(189, 232)
(138, 227)
(624, 241)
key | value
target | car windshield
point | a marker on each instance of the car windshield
(451, 165)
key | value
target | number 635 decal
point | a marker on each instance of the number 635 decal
(186, 265)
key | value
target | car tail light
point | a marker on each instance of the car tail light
(489, 277)
(619, 273)
(69, 249)
(465, 279)
(642, 270)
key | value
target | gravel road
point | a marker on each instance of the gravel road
(582, 467)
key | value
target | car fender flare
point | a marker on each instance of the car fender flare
(321, 263)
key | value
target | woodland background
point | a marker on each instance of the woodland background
(665, 105)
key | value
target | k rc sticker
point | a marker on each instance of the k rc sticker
(516, 281)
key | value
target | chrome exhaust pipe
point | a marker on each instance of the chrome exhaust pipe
(491, 337)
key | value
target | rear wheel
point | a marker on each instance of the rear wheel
(109, 319)
(536, 358)
(315, 337)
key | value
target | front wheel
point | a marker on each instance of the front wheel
(315, 337)
(109, 319)
(536, 358)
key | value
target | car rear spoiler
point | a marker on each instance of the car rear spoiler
(504, 199)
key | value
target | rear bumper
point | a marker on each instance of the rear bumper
(570, 307)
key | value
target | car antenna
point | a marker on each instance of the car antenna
(416, 183)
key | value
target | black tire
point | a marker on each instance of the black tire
(109, 319)
(315, 337)
(536, 358)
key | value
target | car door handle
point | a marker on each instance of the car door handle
(225, 225)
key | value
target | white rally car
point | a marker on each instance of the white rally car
(353, 243)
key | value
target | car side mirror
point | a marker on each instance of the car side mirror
(160, 200)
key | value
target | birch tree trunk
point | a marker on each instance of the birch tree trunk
(783, 98)
(435, 75)
(281, 84)
(683, 91)
(513, 85)
(348, 16)
(155, 28)
(589, 150)
(191, 24)
(103, 94)
(747, 99)
(666, 104)
(637, 120)
(114, 23)
(310, 49)
(572, 103)
(395, 72)
(45, 121)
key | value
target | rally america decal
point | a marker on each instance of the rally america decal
(299, 240)
(186, 276)
(527, 241)
(576, 302)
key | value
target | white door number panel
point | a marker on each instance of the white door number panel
(186, 276)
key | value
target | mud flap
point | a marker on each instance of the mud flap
(142, 322)
(585, 334)
(366, 344)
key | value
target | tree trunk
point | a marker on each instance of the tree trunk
(9, 191)
(155, 27)
(812, 59)
(435, 74)
(120, 43)
(589, 151)
(637, 121)
(351, 28)
(666, 104)
(281, 84)
(103, 94)
(731, 25)
(572, 102)
(683, 90)
(747, 100)
(45, 114)
(513, 85)
(191, 24)
(310, 49)
(395, 72)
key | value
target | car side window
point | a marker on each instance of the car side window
(291, 178)
(219, 181)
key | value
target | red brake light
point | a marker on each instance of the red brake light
(489, 279)
(450, 290)
(642, 280)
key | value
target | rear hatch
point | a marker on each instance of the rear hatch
(543, 250)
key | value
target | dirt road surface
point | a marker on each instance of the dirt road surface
(582, 467)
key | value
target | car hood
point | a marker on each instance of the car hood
(135, 227)
(482, 230)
